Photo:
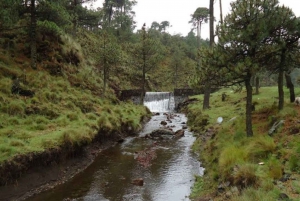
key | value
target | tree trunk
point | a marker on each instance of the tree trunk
(207, 86)
(280, 89)
(104, 67)
(144, 68)
(221, 12)
(290, 86)
(280, 80)
(33, 35)
(249, 107)
(198, 34)
(144, 80)
(211, 23)
(256, 85)
(206, 95)
(176, 75)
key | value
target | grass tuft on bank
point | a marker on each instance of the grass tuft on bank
(241, 168)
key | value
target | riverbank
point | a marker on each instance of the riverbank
(61, 122)
(33, 173)
(240, 168)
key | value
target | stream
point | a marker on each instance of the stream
(168, 177)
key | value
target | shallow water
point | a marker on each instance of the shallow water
(169, 177)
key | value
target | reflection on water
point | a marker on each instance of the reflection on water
(169, 177)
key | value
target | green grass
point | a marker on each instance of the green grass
(59, 115)
(231, 156)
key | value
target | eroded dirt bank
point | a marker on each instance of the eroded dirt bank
(30, 174)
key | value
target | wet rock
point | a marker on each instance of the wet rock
(138, 182)
(283, 197)
(163, 123)
(179, 134)
(285, 177)
(223, 186)
(161, 132)
(120, 140)
(184, 127)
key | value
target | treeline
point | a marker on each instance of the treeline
(257, 39)
(54, 33)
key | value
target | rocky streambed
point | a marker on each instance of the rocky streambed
(155, 165)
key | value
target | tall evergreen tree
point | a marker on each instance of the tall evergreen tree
(199, 17)
(241, 38)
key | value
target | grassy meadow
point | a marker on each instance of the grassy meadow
(263, 167)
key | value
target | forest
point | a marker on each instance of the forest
(62, 66)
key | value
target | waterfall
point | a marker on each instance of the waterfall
(159, 101)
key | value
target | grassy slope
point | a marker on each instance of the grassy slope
(229, 156)
(57, 114)
(67, 108)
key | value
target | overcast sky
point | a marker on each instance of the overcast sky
(178, 12)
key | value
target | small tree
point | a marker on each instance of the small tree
(283, 47)
(146, 54)
(176, 64)
(108, 56)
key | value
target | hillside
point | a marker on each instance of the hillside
(67, 111)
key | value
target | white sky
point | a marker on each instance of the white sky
(178, 12)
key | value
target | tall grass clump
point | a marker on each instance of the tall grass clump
(252, 193)
(244, 175)
(260, 147)
(5, 85)
(104, 124)
(72, 137)
(229, 157)
(294, 163)
(275, 168)
(14, 107)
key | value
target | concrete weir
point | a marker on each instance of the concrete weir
(159, 101)
(168, 100)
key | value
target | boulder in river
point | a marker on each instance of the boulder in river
(179, 134)
(163, 123)
(162, 133)
(138, 182)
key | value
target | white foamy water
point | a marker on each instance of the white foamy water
(159, 101)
